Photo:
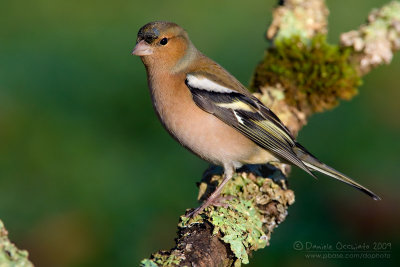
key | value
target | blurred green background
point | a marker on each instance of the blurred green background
(88, 177)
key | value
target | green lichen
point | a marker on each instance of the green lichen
(186, 221)
(10, 255)
(148, 263)
(290, 25)
(241, 229)
(314, 74)
(161, 258)
(390, 11)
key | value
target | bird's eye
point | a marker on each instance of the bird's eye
(164, 41)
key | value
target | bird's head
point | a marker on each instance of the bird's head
(161, 42)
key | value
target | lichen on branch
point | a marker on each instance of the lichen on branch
(375, 42)
(303, 18)
(10, 255)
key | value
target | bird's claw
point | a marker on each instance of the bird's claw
(217, 202)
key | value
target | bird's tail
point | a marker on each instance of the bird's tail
(315, 165)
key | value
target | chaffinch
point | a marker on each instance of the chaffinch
(211, 113)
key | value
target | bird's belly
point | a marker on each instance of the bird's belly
(211, 139)
(206, 135)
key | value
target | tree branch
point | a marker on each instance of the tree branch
(375, 42)
(300, 74)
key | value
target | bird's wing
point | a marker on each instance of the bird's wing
(245, 113)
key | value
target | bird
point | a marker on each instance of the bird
(212, 114)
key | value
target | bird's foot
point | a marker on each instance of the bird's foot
(220, 201)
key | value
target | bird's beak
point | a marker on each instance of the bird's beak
(142, 49)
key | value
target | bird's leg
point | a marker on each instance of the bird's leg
(221, 201)
(285, 168)
(228, 174)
